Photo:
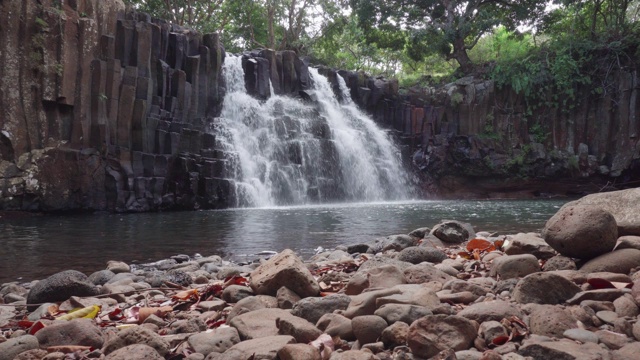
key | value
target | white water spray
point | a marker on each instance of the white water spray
(284, 151)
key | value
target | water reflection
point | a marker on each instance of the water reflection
(36, 247)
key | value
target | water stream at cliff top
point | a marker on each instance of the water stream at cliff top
(286, 151)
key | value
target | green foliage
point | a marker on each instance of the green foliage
(538, 133)
(456, 99)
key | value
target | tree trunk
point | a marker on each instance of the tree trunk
(461, 56)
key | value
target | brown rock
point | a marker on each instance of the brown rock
(299, 351)
(395, 334)
(422, 273)
(559, 262)
(136, 335)
(76, 332)
(368, 328)
(218, 341)
(336, 325)
(136, 351)
(550, 320)
(431, 334)
(490, 310)
(514, 266)
(582, 232)
(259, 323)
(284, 269)
(529, 243)
(619, 261)
(301, 330)
(544, 288)
(261, 348)
(563, 349)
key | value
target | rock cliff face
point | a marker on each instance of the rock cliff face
(107, 109)
(104, 109)
(471, 139)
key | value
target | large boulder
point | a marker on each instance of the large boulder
(619, 261)
(431, 334)
(61, 286)
(623, 205)
(582, 232)
(284, 269)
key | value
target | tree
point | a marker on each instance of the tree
(448, 27)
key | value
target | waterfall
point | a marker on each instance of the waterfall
(285, 151)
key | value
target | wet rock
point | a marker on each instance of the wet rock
(582, 232)
(136, 351)
(301, 330)
(259, 323)
(490, 310)
(368, 328)
(218, 341)
(550, 320)
(619, 261)
(432, 334)
(544, 288)
(60, 287)
(136, 335)
(299, 351)
(312, 309)
(77, 332)
(529, 243)
(12, 347)
(336, 325)
(420, 232)
(261, 348)
(514, 266)
(284, 269)
(401, 312)
(422, 273)
(559, 262)
(581, 335)
(455, 232)
(395, 242)
(416, 255)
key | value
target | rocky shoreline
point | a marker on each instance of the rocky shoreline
(446, 292)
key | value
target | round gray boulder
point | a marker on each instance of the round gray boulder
(59, 287)
(582, 232)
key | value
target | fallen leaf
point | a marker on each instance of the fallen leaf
(500, 340)
(145, 312)
(89, 312)
(480, 245)
(37, 326)
(186, 295)
(598, 283)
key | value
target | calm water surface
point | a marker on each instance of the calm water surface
(36, 247)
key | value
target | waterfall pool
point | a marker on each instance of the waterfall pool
(35, 247)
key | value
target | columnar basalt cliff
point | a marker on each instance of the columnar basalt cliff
(104, 109)
(107, 109)
(472, 139)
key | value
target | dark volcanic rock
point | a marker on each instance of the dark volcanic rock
(61, 286)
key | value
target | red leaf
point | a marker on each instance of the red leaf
(36, 327)
(480, 245)
(500, 340)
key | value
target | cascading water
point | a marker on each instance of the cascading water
(284, 151)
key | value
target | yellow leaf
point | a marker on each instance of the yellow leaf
(89, 312)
